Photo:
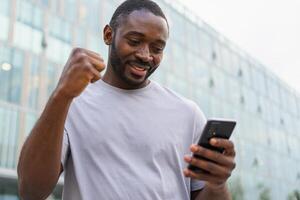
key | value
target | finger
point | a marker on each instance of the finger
(200, 175)
(96, 75)
(208, 166)
(226, 144)
(93, 54)
(222, 143)
(211, 155)
(97, 63)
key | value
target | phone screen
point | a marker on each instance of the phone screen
(219, 128)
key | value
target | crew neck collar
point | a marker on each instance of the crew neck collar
(110, 87)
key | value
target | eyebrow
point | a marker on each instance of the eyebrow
(135, 33)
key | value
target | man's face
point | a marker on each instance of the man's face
(137, 48)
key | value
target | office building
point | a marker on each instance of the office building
(37, 36)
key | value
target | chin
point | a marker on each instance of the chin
(136, 83)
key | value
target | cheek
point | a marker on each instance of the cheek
(124, 50)
(157, 59)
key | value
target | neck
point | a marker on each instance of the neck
(112, 79)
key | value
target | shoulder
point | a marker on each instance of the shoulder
(173, 97)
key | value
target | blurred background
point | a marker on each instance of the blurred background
(37, 36)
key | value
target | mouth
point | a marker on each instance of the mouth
(139, 70)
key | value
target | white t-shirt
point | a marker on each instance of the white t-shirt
(129, 144)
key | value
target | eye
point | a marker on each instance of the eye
(133, 42)
(157, 50)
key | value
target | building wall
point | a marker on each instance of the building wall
(37, 36)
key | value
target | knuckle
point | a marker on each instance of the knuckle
(209, 166)
(85, 63)
(76, 50)
(82, 57)
(86, 67)
(194, 161)
(227, 174)
(201, 151)
(216, 156)
(230, 144)
(233, 165)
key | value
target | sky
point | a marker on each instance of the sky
(269, 30)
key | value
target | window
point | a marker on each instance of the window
(16, 76)
(30, 120)
(58, 51)
(27, 38)
(5, 7)
(80, 38)
(205, 45)
(9, 125)
(250, 99)
(179, 60)
(218, 83)
(29, 14)
(232, 90)
(94, 42)
(179, 86)
(192, 37)
(12, 75)
(246, 72)
(70, 10)
(4, 19)
(259, 83)
(216, 54)
(4, 24)
(235, 64)
(200, 74)
(44, 2)
(5, 72)
(226, 58)
(273, 90)
(60, 29)
(34, 83)
(177, 25)
(51, 78)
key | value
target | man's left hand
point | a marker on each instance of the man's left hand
(219, 167)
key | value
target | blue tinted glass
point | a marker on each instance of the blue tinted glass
(34, 83)
(16, 77)
(205, 45)
(5, 7)
(9, 125)
(70, 9)
(5, 72)
(51, 74)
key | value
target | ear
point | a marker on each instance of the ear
(107, 35)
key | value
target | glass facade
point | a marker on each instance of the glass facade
(37, 36)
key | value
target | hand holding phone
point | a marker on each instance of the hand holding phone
(219, 128)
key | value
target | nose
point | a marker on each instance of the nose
(144, 54)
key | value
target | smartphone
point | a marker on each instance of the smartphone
(219, 128)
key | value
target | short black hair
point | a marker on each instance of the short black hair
(129, 6)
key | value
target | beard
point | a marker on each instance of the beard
(119, 66)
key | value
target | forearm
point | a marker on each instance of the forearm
(210, 193)
(39, 163)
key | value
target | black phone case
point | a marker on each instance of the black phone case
(219, 128)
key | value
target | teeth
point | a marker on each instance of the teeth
(138, 68)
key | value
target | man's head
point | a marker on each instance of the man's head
(136, 36)
(129, 6)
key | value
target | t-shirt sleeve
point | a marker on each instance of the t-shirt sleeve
(199, 123)
(65, 149)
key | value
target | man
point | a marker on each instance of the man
(122, 136)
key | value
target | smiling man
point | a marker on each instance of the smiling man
(122, 136)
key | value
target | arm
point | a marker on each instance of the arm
(39, 164)
(219, 170)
